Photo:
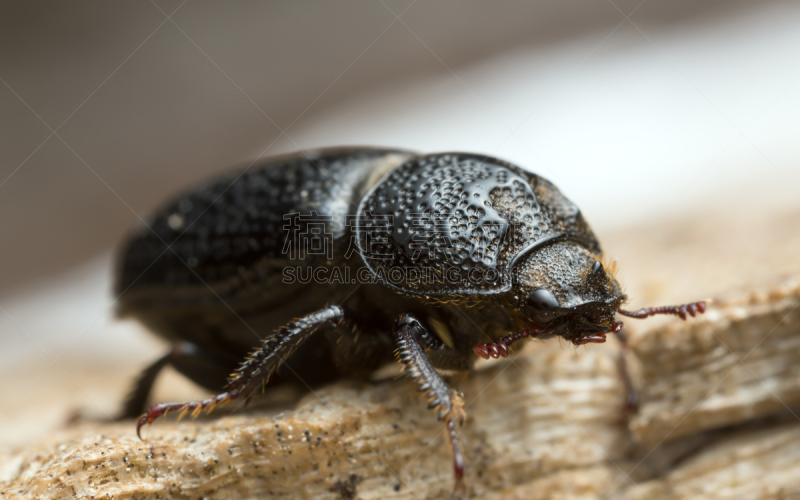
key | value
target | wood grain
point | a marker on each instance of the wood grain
(718, 417)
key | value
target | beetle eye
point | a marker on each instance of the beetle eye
(597, 269)
(542, 300)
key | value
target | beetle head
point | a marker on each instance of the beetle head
(566, 290)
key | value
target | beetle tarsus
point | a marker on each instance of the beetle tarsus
(195, 407)
(691, 309)
(500, 347)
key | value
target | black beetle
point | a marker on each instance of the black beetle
(312, 266)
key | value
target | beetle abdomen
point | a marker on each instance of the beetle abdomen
(231, 234)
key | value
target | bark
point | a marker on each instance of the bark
(718, 417)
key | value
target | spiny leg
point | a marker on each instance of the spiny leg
(258, 367)
(198, 365)
(411, 338)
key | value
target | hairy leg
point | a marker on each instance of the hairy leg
(411, 338)
(256, 370)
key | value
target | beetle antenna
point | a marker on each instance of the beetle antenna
(692, 309)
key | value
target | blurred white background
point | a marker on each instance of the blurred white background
(637, 110)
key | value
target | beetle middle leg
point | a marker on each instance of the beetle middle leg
(412, 338)
(259, 366)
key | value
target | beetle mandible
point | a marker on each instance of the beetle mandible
(457, 256)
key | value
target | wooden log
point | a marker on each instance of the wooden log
(531, 419)
(761, 463)
(544, 424)
(738, 363)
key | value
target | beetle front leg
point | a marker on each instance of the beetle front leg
(411, 338)
(256, 370)
(631, 396)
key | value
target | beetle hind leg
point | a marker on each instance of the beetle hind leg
(411, 339)
(256, 370)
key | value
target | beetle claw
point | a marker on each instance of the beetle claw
(142, 421)
(195, 407)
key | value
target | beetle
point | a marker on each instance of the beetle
(439, 260)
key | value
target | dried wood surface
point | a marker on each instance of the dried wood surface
(720, 398)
